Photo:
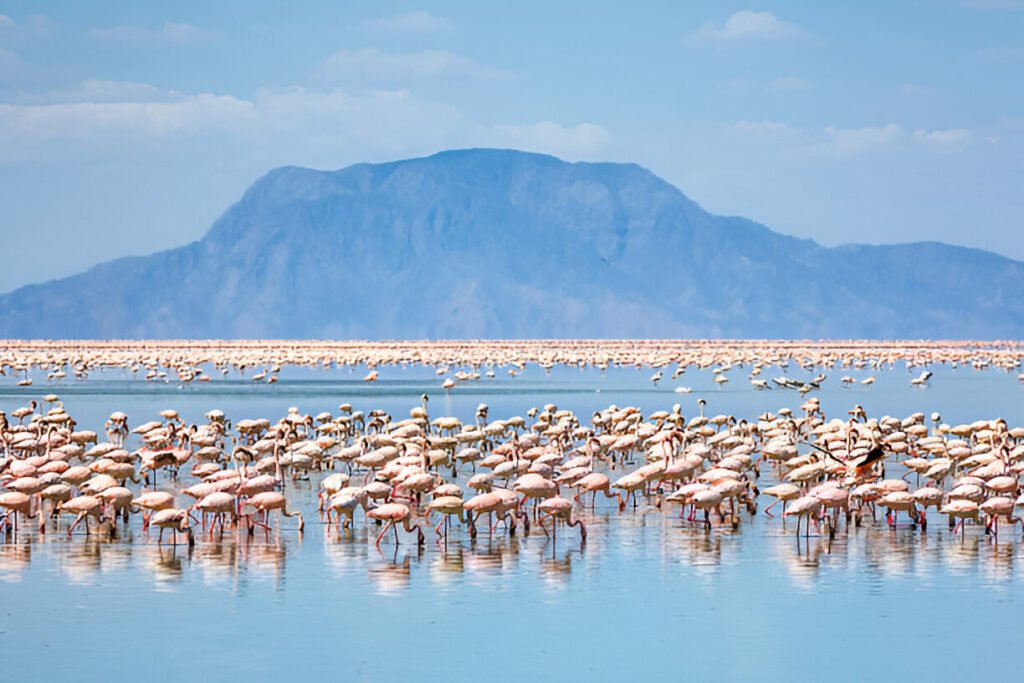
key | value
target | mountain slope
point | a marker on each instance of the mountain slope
(498, 243)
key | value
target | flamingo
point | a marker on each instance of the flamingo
(559, 509)
(272, 500)
(393, 513)
(804, 507)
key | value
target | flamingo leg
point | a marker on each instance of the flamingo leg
(383, 531)
(259, 523)
(78, 519)
(583, 529)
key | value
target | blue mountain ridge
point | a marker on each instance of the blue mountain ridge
(487, 243)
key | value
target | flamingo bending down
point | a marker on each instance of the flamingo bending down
(14, 502)
(494, 502)
(782, 493)
(593, 483)
(962, 509)
(344, 503)
(218, 503)
(448, 506)
(176, 520)
(154, 501)
(805, 506)
(393, 513)
(272, 500)
(558, 508)
(83, 506)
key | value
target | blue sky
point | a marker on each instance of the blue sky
(128, 127)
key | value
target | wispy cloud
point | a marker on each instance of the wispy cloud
(98, 91)
(847, 141)
(747, 25)
(1002, 54)
(913, 89)
(763, 127)
(955, 137)
(408, 22)
(569, 142)
(834, 141)
(371, 65)
(33, 26)
(289, 125)
(788, 83)
(170, 32)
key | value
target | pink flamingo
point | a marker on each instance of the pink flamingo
(393, 513)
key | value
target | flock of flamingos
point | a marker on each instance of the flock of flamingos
(425, 478)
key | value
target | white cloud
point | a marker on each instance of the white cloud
(99, 124)
(569, 142)
(913, 89)
(408, 22)
(1002, 54)
(33, 26)
(94, 90)
(370, 65)
(956, 137)
(170, 32)
(748, 25)
(182, 33)
(852, 141)
(276, 126)
(788, 83)
(833, 141)
(763, 127)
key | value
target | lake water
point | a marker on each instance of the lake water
(648, 595)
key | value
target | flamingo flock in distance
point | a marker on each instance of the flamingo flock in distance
(199, 361)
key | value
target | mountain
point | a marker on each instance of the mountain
(486, 243)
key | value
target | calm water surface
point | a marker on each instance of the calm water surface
(647, 596)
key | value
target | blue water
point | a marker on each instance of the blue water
(647, 595)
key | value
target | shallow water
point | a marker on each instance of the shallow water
(647, 595)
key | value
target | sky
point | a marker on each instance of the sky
(129, 127)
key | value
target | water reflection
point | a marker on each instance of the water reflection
(234, 559)
(394, 574)
(447, 566)
(167, 565)
(15, 558)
